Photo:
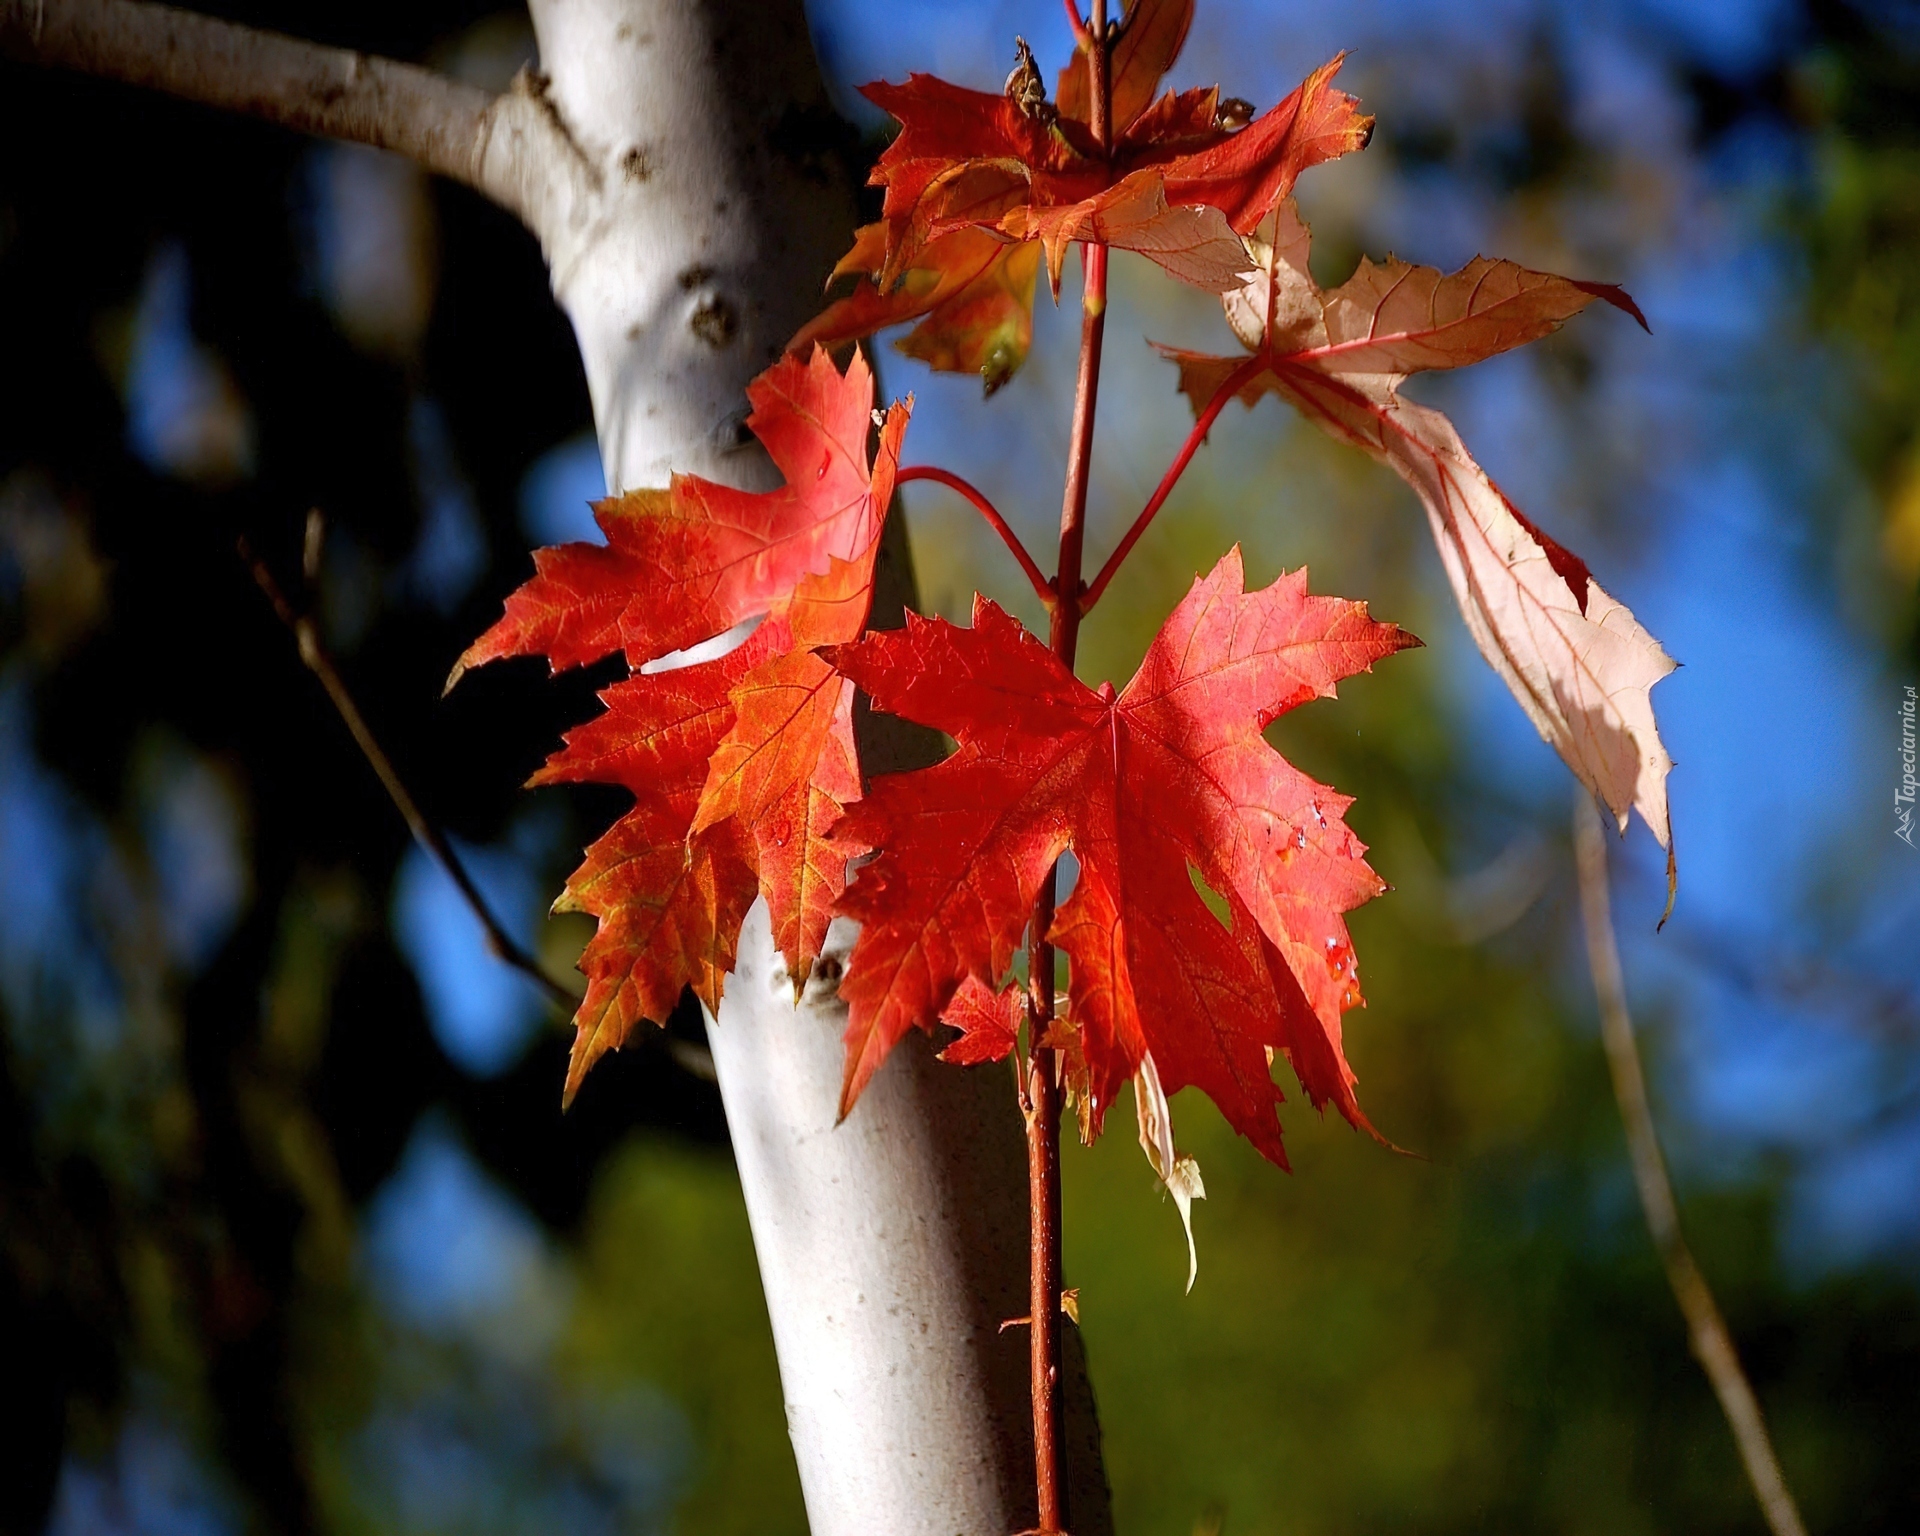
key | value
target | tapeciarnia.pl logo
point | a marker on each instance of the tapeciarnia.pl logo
(1903, 796)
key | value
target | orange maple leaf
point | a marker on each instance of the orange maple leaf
(740, 766)
(690, 562)
(971, 290)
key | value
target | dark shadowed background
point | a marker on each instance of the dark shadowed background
(295, 1235)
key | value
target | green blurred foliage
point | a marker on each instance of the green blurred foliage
(670, 1294)
(1858, 91)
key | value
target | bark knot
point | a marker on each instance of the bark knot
(715, 322)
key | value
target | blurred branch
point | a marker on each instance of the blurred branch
(1806, 982)
(1706, 1328)
(495, 144)
(1491, 899)
(430, 838)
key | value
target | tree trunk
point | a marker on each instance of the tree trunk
(893, 1246)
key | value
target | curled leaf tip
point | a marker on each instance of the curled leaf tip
(1619, 298)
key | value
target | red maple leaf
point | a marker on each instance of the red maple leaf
(988, 1021)
(740, 767)
(1182, 177)
(669, 904)
(1579, 662)
(1167, 781)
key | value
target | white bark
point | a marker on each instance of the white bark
(677, 269)
(879, 1253)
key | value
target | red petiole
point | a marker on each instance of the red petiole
(1234, 383)
(992, 514)
(1081, 36)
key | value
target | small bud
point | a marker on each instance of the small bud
(1233, 114)
(998, 366)
(1025, 87)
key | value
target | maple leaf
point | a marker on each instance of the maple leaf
(1184, 176)
(1579, 663)
(988, 1021)
(787, 768)
(1169, 778)
(669, 905)
(742, 766)
(966, 157)
(690, 562)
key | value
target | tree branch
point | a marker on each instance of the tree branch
(1043, 1098)
(430, 838)
(688, 1057)
(448, 127)
(1706, 1328)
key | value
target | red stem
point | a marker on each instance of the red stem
(1043, 1071)
(991, 513)
(1234, 383)
(1065, 633)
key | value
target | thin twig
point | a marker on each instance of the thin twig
(1230, 387)
(991, 513)
(693, 1059)
(1706, 1329)
(314, 654)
